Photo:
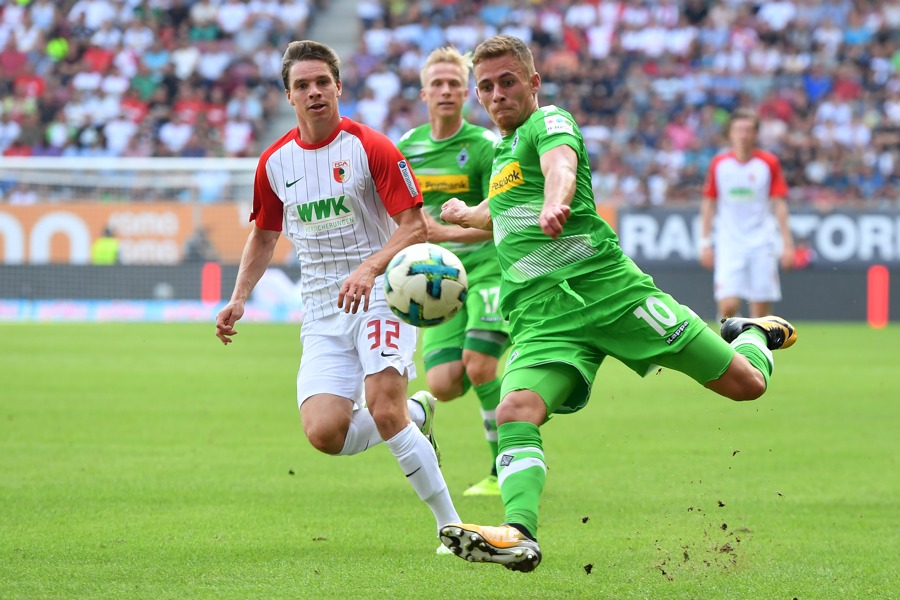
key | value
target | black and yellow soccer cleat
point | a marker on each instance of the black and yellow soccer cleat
(779, 333)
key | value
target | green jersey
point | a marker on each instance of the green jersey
(530, 260)
(455, 167)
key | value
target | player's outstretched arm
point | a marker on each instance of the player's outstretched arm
(357, 288)
(559, 166)
(255, 259)
(456, 211)
(438, 232)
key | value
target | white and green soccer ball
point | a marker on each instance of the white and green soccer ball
(425, 285)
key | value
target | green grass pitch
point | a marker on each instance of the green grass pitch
(149, 461)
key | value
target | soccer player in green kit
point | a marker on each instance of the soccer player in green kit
(452, 158)
(572, 298)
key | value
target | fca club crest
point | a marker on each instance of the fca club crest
(341, 170)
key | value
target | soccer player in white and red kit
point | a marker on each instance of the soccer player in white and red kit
(348, 201)
(746, 193)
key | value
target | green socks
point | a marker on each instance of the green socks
(489, 396)
(752, 345)
(521, 471)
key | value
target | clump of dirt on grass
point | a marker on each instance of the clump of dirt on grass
(717, 546)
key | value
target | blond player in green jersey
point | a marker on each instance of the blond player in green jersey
(452, 158)
(572, 299)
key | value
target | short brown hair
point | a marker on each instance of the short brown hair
(742, 113)
(449, 55)
(501, 45)
(309, 50)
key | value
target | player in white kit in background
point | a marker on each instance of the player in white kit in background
(346, 198)
(746, 192)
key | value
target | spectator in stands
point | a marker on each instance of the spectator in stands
(10, 130)
(790, 59)
(175, 134)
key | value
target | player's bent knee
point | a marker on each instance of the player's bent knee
(522, 405)
(390, 416)
(325, 439)
(481, 372)
(480, 368)
(445, 381)
(446, 391)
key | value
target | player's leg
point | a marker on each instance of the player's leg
(326, 420)
(328, 381)
(765, 283)
(731, 277)
(455, 357)
(739, 364)
(442, 349)
(486, 339)
(330, 390)
(760, 308)
(386, 397)
(386, 347)
(549, 370)
(481, 370)
(649, 328)
(521, 467)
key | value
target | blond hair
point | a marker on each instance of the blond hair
(502, 45)
(449, 55)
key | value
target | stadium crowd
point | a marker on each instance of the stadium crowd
(651, 82)
(139, 78)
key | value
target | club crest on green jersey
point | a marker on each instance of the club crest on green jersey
(462, 158)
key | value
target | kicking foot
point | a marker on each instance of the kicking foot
(504, 545)
(779, 333)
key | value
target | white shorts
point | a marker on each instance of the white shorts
(340, 350)
(751, 275)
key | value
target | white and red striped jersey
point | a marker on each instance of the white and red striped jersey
(334, 201)
(743, 193)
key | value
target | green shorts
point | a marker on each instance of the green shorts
(478, 326)
(617, 311)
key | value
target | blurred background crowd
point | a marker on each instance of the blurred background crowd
(651, 82)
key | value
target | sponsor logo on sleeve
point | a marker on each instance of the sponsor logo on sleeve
(408, 178)
(558, 124)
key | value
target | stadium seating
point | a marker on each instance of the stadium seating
(650, 82)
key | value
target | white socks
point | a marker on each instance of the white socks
(363, 434)
(419, 463)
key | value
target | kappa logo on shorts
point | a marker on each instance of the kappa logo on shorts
(677, 333)
(506, 460)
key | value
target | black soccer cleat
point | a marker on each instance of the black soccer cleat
(779, 333)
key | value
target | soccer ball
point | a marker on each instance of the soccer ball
(425, 285)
